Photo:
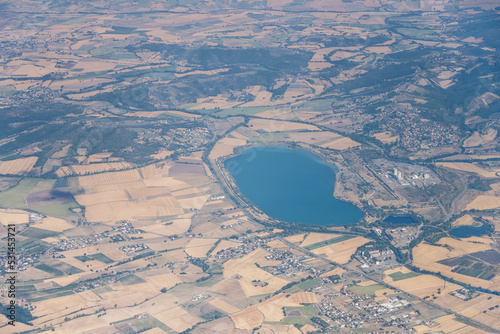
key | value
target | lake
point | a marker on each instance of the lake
(470, 231)
(400, 220)
(292, 185)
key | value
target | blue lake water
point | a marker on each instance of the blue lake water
(400, 220)
(469, 231)
(293, 185)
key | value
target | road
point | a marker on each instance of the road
(360, 273)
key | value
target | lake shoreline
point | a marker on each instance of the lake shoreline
(326, 207)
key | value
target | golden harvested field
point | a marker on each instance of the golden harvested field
(178, 226)
(279, 126)
(463, 247)
(177, 319)
(478, 139)
(279, 329)
(308, 328)
(146, 114)
(313, 238)
(225, 146)
(277, 244)
(486, 240)
(426, 257)
(109, 178)
(296, 238)
(168, 182)
(341, 144)
(198, 247)
(18, 166)
(477, 311)
(341, 252)
(54, 224)
(89, 323)
(102, 197)
(212, 102)
(282, 113)
(303, 297)
(94, 66)
(182, 113)
(144, 193)
(14, 216)
(446, 324)
(464, 220)
(162, 154)
(471, 168)
(193, 202)
(93, 168)
(64, 280)
(383, 294)
(366, 283)
(386, 137)
(313, 137)
(483, 202)
(126, 296)
(246, 269)
(402, 270)
(272, 309)
(318, 65)
(423, 285)
(471, 157)
(472, 307)
(248, 318)
(65, 304)
(198, 72)
(163, 281)
(223, 306)
(158, 207)
(154, 171)
(99, 157)
(337, 271)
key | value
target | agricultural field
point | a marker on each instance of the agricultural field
(18, 166)
(471, 168)
(463, 260)
(341, 251)
(116, 119)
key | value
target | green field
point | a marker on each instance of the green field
(317, 105)
(15, 196)
(103, 258)
(417, 33)
(239, 111)
(99, 257)
(307, 311)
(303, 285)
(56, 295)
(366, 290)
(38, 233)
(58, 209)
(31, 246)
(131, 280)
(271, 136)
(215, 268)
(290, 321)
(102, 289)
(142, 325)
(397, 276)
(329, 242)
(49, 269)
(83, 258)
